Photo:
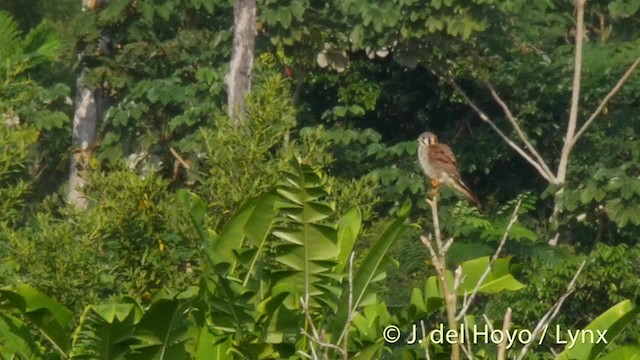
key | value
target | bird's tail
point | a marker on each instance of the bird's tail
(468, 194)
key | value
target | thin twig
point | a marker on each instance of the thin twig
(427, 243)
(179, 158)
(457, 279)
(433, 203)
(304, 354)
(489, 324)
(447, 245)
(468, 341)
(322, 343)
(426, 342)
(307, 314)
(605, 100)
(345, 331)
(484, 117)
(551, 314)
(487, 270)
(502, 348)
(518, 129)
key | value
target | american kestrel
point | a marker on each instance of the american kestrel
(439, 164)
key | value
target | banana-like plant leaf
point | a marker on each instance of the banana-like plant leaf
(251, 222)
(370, 352)
(196, 209)
(309, 246)
(211, 347)
(105, 332)
(610, 324)
(162, 332)
(498, 279)
(629, 352)
(370, 268)
(50, 317)
(17, 341)
(280, 321)
(348, 230)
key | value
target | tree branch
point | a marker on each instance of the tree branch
(575, 94)
(436, 224)
(467, 302)
(516, 127)
(484, 117)
(438, 257)
(551, 314)
(506, 324)
(605, 100)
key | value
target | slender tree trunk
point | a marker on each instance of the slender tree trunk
(89, 108)
(241, 67)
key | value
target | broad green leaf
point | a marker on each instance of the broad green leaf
(162, 332)
(498, 279)
(280, 321)
(196, 209)
(16, 340)
(105, 332)
(629, 352)
(612, 321)
(348, 230)
(111, 312)
(50, 317)
(211, 347)
(309, 245)
(371, 266)
(251, 222)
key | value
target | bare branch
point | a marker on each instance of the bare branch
(426, 240)
(605, 100)
(351, 310)
(307, 314)
(457, 280)
(552, 313)
(484, 117)
(467, 345)
(447, 245)
(487, 270)
(575, 94)
(438, 257)
(489, 324)
(518, 129)
(502, 348)
(433, 203)
(304, 354)
(466, 351)
(321, 343)
(426, 343)
(314, 337)
(182, 162)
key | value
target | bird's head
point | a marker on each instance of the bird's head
(428, 138)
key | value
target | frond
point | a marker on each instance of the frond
(10, 42)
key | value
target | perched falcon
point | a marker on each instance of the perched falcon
(439, 164)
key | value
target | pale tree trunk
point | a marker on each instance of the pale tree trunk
(241, 68)
(89, 108)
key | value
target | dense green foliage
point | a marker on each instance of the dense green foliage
(205, 239)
